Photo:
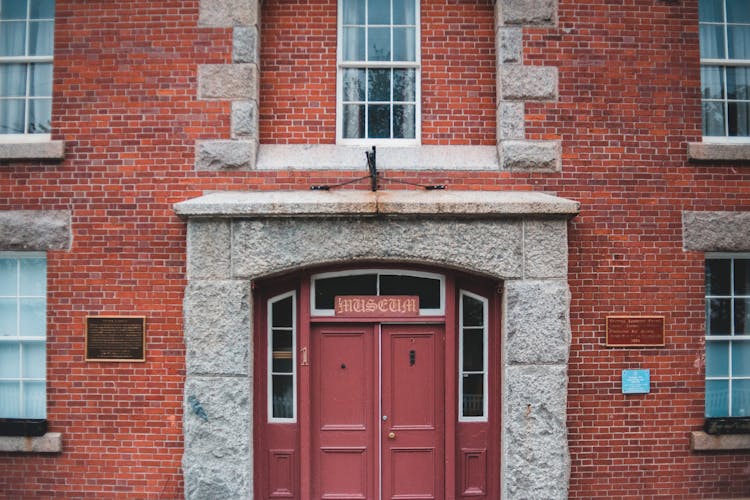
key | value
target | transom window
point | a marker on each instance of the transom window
(728, 336)
(26, 46)
(725, 67)
(378, 71)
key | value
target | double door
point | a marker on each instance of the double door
(377, 411)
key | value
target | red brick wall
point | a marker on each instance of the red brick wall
(125, 103)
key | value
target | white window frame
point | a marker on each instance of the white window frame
(28, 61)
(723, 64)
(393, 272)
(341, 65)
(485, 361)
(269, 371)
(19, 339)
(731, 339)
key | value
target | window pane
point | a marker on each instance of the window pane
(33, 318)
(473, 350)
(34, 360)
(737, 83)
(13, 9)
(8, 318)
(42, 9)
(428, 289)
(718, 277)
(717, 398)
(473, 311)
(742, 276)
(473, 396)
(741, 398)
(13, 38)
(34, 400)
(354, 85)
(40, 116)
(713, 118)
(12, 80)
(379, 121)
(742, 316)
(740, 359)
(404, 85)
(33, 277)
(404, 44)
(8, 277)
(327, 288)
(354, 12)
(41, 38)
(282, 362)
(404, 121)
(40, 84)
(738, 11)
(10, 360)
(404, 12)
(718, 316)
(11, 116)
(10, 400)
(738, 118)
(282, 340)
(712, 41)
(710, 11)
(354, 121)
(379, 44)
(282, 401)
(717, 359)
(738, 41)
(379, 85)
(282, 313)
(379, 12)
(354, 44)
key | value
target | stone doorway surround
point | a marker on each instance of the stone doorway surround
(233, 238)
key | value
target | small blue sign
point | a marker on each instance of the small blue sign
(636, 381)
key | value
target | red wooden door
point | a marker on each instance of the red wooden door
(377, 411)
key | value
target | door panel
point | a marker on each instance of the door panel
(412, 398)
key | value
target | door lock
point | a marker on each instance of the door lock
(391, 435)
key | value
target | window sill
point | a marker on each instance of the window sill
(49, 443)
(714, 151)
(46, 150)
(701, 441)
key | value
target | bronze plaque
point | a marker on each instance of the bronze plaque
(635, 331)
(115, 338)
(377, 306)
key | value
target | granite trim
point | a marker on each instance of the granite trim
(51, 442)
(718, 152)
(716, 231)
(42, 150)
(39, 230)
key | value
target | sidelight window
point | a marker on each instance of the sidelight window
(472, 384)
(282, 380)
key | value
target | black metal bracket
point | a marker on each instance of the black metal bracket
(374, 176)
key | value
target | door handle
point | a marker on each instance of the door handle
(391, 435)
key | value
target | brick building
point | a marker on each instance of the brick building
(181, 315)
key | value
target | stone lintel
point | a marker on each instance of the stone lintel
(701, 441)
(718, 152)
(228, 81)
(34, 150)
(40, 230)
(228, 13)
(51, 442)
(357, 203)
(519, 82)
(716, 231)
(530, 156)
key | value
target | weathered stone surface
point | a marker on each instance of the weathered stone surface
(707, 151)
(537, 321)
(217, 327)
(517, 82)
(716, 231)
(546, 249)
(35, 230)
(266, 246)
(525, 12)
(228, 81)
(225, 155)
(509, 43)
(245, 120)
(536, 461)
(510, 121)
(530, 156)
(228, 13)
(217, 462)
(208, 250)
(245, 46)
(46, 150)
(51, 442)
(700, 441)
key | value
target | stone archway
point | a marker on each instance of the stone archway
(234, 238)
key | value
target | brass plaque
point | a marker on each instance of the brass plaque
(115, 338)
(635, 331)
